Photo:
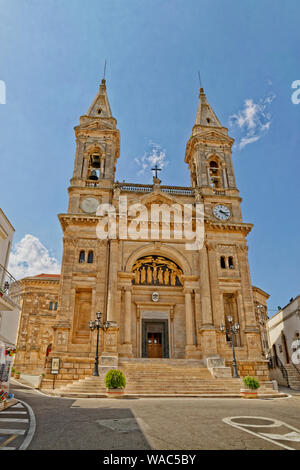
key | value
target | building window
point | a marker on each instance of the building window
(55, 305)
(90, 257)
(215, 175)
(82, 257)
(222, 262)
(51, 305)
(230, 262)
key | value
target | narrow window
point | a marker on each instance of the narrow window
(222, 261)
(50, 305)
(90, 257)
(82, 257)
(214, 173)
(55, 306)
(230, 262)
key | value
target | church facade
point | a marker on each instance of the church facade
(126, 254)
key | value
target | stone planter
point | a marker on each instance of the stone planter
(248, 393)
(17, 375)
(115, 392)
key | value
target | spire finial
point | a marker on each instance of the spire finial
(104, 69)
(201, 88)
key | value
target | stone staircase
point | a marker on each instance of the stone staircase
(160, 377)
(293, 376)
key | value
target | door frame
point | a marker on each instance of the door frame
(155, 325)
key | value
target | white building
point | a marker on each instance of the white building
(284, 340)
(9, 287)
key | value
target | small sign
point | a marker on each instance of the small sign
(55, 365)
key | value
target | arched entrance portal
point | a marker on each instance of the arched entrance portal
(157, 280)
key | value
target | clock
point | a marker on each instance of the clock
(89, 205)
(221, 212)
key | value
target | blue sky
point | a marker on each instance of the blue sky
(52, 55)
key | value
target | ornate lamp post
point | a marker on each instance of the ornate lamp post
(232, 330)
(99, 325)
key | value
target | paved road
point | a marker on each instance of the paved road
(176, 423)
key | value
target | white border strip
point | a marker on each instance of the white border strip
(32, 427)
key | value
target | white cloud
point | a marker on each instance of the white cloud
(253, 121)
(30, 257)
(156, 156)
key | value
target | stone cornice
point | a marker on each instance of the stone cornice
(228, 226)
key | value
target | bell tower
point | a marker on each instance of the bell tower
(224, 283)
(97, 151)
(208, 151)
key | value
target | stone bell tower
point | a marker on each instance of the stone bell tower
(225, 283)
(97, 151)
(87, 260)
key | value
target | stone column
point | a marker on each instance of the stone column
(207, 318)
(252, 333)
(189, 318)
(208, 330)
(112, 282)
(127, 321)
(214, 284)
(198, 319)
(190, 348)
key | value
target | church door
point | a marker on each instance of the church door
(154, 342)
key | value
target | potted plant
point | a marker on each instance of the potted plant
(12, 372)
(252, 385)
(17, 374)
(115, 383)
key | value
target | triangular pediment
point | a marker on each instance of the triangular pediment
(159, 198)
(214, 134)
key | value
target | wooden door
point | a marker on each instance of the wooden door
(154, 345)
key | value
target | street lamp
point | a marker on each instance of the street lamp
(232, 330)
(99, 325)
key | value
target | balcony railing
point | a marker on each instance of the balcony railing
(9, 289)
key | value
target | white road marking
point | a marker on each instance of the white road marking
(20, 432)
(14, 420)
(32, 427)
(7, 448)
(270, 423)
(18, 405)
(291, 436)
(13, 413)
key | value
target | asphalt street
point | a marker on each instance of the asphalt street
(168, 424)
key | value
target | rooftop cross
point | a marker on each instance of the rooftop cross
(156, 169)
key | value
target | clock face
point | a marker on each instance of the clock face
(221, 212)
(89, 205)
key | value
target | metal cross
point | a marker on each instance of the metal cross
(156, 169)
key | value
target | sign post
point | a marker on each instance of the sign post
(54, 368)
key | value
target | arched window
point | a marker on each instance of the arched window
(55, 305)
(230, 262)
(215, 174)
(222, 262)
(95, 161)
(51, 305)
(90, 257)
(82, 257)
